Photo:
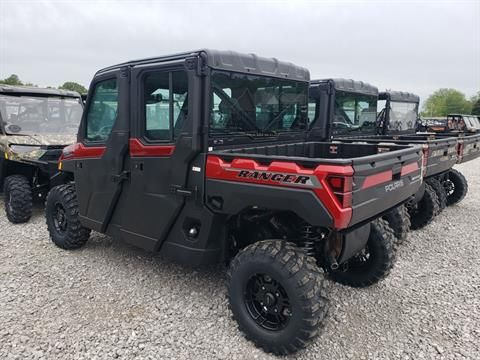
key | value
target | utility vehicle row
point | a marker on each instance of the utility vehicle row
(219, 157)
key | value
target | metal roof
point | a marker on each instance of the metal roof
(230, 61)
(399, 96)
(31, 90)
(349, 85)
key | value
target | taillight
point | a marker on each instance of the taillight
(426, 154)
(342, 189)
(460, 151)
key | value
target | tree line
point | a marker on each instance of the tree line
(441, 103)
(69, 85)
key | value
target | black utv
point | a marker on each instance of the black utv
(35, 125)
(202, 156)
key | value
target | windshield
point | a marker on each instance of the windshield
(354, 112)
(256, 105)
(30, 115)
(403, 116)
(474, 122)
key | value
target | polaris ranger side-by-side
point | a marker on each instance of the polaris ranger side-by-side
(203, 157)
(466, 128)
(35, 125)
(347, 112)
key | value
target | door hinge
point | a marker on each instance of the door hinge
(180, 190)
(124, 175)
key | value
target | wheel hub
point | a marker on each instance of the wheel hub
(267, 302)
(59, 218)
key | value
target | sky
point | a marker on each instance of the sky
(416, 46)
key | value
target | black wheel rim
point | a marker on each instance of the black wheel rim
(59, 218)
(359, 261)
(267, 302)
(449, 187)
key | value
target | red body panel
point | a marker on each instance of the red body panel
(222, 170)
(137, 149)
(80, 151)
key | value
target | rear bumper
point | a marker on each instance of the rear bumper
(468, 148)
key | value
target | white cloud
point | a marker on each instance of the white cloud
(414, 46)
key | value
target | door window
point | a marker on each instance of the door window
(102, 111)
(165, 104)
(312, 110)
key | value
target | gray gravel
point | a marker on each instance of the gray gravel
(110, 300)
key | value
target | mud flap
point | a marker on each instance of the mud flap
(353, 242)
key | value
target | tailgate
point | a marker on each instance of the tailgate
(468, 148)
(385, 180)
(440, 155)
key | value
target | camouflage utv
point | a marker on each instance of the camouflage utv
(35, 125)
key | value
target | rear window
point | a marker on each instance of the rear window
(243, 103)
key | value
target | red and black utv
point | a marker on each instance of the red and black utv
(202, 156)
(346, 110)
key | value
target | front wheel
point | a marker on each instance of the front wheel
(373, 263)
(62, 218)
(277, 295)
(456, 187)
(18, 199)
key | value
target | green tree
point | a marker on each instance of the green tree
(475, 100)
(11, 80)
(476, 107)
(446, 101)
(73, 86)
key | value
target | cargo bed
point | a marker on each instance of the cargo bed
(440, 153)
(364, 180)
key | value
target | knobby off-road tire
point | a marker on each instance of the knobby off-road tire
(399, 221)
(277, 294)
(18, 199)
(456, 187)
(440, 191)
(372, 264)
(62, 218)
(422, 213)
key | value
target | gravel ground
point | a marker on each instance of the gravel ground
(110, 300)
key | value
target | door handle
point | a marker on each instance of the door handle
(124, 175)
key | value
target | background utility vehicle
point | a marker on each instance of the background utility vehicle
(459, 126)
(202, 156)
(354, 105)
(35, 125)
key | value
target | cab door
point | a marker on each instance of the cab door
(159, 154)
(103, 144)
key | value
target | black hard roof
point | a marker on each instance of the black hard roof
(230, 61)
(399, 96)
(349, 85)
(31, 90)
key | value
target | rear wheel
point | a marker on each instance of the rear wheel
(456, 187)
(18, 199)
(62, 218)
(423, 212)
(440, 191)
(399, 221)
(373, 263)
(277, 295)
